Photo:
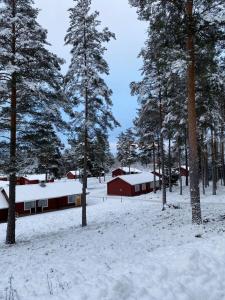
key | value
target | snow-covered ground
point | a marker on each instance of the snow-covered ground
(131, 250)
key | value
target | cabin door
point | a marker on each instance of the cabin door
(33, 210)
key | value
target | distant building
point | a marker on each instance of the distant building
(125, 171)
(73, 174)
(183, 171)
(29, 179)
(132, 185)
(33, 179)
(39, 198)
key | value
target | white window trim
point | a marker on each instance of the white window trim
(68, 201)
(137, 188)
(44, 205)
(144, 186)
(26, 209)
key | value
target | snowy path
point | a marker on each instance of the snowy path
(130, 250)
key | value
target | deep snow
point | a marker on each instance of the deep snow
(130, 250)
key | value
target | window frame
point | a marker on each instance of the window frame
(137, 188)
(26, 209)
(74, 198)
(42, 206)
(144, 186)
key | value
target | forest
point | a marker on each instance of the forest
(52, 123)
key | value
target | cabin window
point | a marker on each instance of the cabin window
(29, 205)
(43, 203)
(72, 199)
(143, 187)
(137, 188)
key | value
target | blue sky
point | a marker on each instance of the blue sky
(121, 55)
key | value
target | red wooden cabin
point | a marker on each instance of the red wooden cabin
(125, 171)
(132, 185)
(33, 179)
(73, 175)
(39, 198)
(184, 171)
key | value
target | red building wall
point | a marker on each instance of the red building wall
(118, 172)
(118, 187)
(184, 172)
(71, 176)
(53, 204)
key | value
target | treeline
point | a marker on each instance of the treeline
(182, 92)
(38, 106)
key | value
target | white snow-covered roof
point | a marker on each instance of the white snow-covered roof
(184, 167)
(3, 183)
(3, 202)
(40, 177)
(74, 172)
(126, 169)
(33, 192)
(134, 179)
(158, 172)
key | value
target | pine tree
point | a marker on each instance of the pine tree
(127, 148)
(29, 77)
(42, 143)
(84, 83)
(189, 28)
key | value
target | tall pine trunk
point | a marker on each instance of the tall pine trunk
(170, 167)
(186, 157)
(213, 164)
(192, 130)
(179, 163)
(222, 162)
(159, 162)
(11, 226)
(154, 169)
(84, 196)
(162, 154)
(203, 165)
(206, 168)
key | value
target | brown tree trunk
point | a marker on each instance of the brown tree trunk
(11, 225)
(170, 172)
(203, 166)
(84, 196)
(179, 163)
(206, 168)
(192, 130)
(159, 163)
(222, 162)
(186, 157)
(154, 182)
(213, 164)
(162, 155)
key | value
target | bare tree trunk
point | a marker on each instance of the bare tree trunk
(206, 169)
(154, 182)
(222, 162)
(159, 163)
(192, 130)
(186, 157)
(214, 187)
(162, 155)
(170, 172)
(179, 163)
(203, 166)
(11, 226)
(84, 196)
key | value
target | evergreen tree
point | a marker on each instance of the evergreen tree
(186, 28)
(30, 81)
(127, 148)
(84, 83)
